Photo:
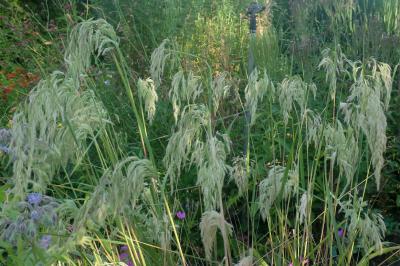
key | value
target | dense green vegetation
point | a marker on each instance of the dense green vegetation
(134, 132)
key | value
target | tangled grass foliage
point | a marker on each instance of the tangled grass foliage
(116, 194)
(369, 225)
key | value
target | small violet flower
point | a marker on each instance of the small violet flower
(107, 82)
(35, 215)
(340, 232)
(34, 198)
(45, 241)
(123, 256)
(124, 248)
(181, 215)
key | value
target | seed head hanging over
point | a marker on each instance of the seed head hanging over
(211, 221)
(270, 187)
(293, 90)
(55, 122)
(147, 92)
(365, 107)
(255, 90)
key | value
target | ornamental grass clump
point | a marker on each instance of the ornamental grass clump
(365, 108)
(61, 113)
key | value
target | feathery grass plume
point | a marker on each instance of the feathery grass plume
(342, 147)
(365, 108)
(210, 222)
(184, 90)
(194, 119)
(302, 210)
(50, 129)
(158, 59)
(270, 187)
(147, 92)
(239, 174)
(91, 37)
(314, 127)
(117, 192)
(246, 260)
(333, 63)
(255, 90)
(210, 160)
(366, 224)
(220, 90)
(293, 90)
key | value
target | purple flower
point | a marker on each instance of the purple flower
(124, 248)
(45, 241)
(35, 215)
(181, 215)
(340, 232)
(123, 256)
(34, 198)
(291, 264)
